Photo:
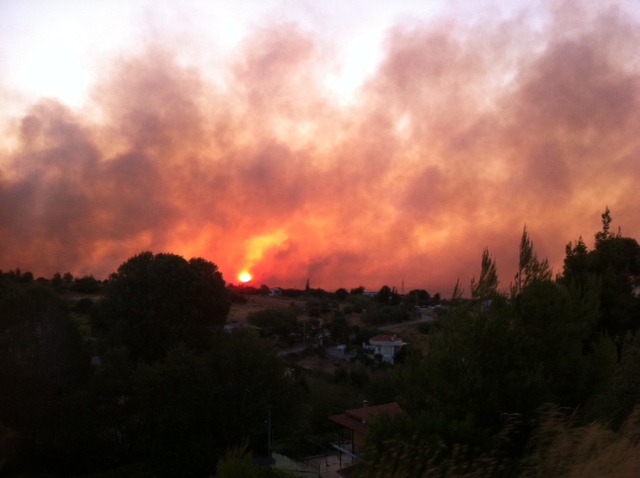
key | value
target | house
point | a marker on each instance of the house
(386, 346)
(354, 425)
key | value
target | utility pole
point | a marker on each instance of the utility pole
(269, 433)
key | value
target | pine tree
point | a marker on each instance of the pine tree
(487, 285)
(530, 269)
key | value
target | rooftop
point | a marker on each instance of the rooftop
(356, 419)
(385, 338)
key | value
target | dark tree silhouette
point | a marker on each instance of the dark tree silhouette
(154, 302)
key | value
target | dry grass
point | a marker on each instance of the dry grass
(561, 450)
(239, 312)
(589, 451)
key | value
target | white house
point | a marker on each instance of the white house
(387, 346)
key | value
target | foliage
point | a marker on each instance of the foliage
(170, 389)
(154, 302)
(358, 377)
(312, 432)
(192, 407)
(388, 296)
(576, 266)
(386, 314)
(83, 306)
(473, 400)
(86, 285)
(530, 269)
(339, 328)
(626, 381)
(418, 298)
(42, 358)
(605, 235)
(558, 330)
(456, 295)
(358, 303)
(341, 294)
(237, 298)
(384, 295)
(429, 327)
(561, 449)
(408, 454)
(174, 400)
(236, 463)
(357, 290)
(486, 287)
(275, 320)
(314, 308)
(363, 334)
(611, 266)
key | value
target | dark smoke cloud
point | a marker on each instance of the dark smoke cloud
(463, 134)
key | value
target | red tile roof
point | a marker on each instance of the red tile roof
(356, 419)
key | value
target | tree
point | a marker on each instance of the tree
(575, 266)
(487, 285)
(174, 400)
(530, 269)
(357, 290)
(487, 373)
(42, 358)
(154, 302)
(193, 407)
(456, 295)
(419, 297)
(617, 261)
(264, 289)
(236, 463)
(339, 328)
(342, 294)
(473, 377)
(558, 325)
(612, 264)
(489, 370)
(86, 285)
(276, 320)
(604, 235)
(384, 294)
(626, 381)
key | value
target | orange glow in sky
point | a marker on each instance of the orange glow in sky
(244, 277)
(345, 143)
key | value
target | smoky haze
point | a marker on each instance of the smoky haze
(464, 133)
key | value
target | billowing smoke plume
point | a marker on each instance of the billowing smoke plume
(462, 135)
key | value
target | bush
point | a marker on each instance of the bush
(385, 315)
(427, 328)
(86, 285)
(237, 298)
(83, 306)
(281, 321)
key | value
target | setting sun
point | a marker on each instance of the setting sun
(244, 277)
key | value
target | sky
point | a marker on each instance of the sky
(347, 143)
